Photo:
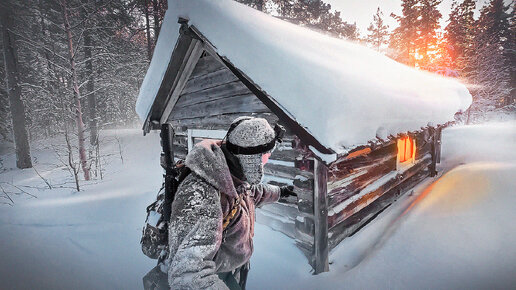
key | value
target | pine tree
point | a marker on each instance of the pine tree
(460, 32)
(315, 14)
(490, 75)
(402, 39)
(378, 31)
(427, 25)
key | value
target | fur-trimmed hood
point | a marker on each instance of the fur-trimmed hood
(208, 161)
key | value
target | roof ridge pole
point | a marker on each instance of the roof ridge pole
(321, 217)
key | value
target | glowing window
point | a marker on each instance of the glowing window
(406, 150)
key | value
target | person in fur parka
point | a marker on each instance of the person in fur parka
(212, 222)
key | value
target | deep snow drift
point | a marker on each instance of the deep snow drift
(454, 231)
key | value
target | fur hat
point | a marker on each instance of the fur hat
(249, 133)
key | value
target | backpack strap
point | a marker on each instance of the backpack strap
(172, 182)
(231, 214)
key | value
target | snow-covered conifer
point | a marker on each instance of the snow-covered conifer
(378, 31)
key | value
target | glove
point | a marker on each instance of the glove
(287, 191)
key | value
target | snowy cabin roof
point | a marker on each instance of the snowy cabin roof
(342, 93)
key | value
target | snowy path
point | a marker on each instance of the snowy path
(453, 232)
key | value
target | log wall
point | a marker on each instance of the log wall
(362, 185)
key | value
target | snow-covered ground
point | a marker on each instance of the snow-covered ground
(454, 231)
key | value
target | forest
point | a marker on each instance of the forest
(73, 68)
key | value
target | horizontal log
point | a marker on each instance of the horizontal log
(339, 213)
(422, 151)
(181, 140)
(284, 155)
(306, 225)
(306, 205)
(236, 104)
(303, 238)
(304, 183)
(181, 150)
(307, 250)
(209, 80)
(217, 122)
(343, 167)
(221, 91)
(206, 65)
(354, 223)
(353, 184)
(285, 210)
(276, 222)
(281, 171)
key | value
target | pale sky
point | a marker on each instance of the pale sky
(361, 11)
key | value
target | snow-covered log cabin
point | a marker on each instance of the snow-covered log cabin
(361, 128)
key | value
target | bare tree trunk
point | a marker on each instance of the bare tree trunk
(259, 5)
(155, 13)
(90, 87)
(71, 163)
(76, 94)
(21, 140)
(147, 28)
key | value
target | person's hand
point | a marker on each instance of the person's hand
(287, 191)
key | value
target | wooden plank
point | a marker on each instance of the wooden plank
(281, 171)
(303, 187)
(370, 197)
(180, 54)
(206, 64)
(221, 91)
(343, 167)
(284, 155)
(306, 205)
(242, 104)
(423, 143)
(362, 177)
(438, 145)
(305, 224)
(220, 122)
(304, 238)
(180, 151)
(276, 222)
(304, 183)
(288, 211)
(209, 80)
(349, 226)
(433, 152)
(307, 250)
(348, 177)
(320, 218)
(179, 83)
(180, 140)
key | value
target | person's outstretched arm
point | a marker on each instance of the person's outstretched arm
(195, 234)
(265, 193)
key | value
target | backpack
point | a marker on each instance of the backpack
(154, 239)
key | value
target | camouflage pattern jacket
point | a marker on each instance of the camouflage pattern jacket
(199, 249)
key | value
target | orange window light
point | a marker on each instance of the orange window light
(406, 149)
